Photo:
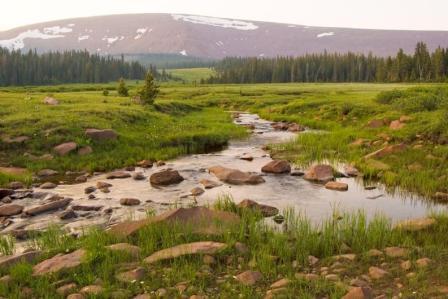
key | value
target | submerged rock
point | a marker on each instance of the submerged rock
(236, 177)
(55, 205)
(205, 247)
(118, 175)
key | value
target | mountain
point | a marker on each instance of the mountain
(208, 37)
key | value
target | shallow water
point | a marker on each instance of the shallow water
(281, 191)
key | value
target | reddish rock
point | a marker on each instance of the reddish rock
(85, 150)
(388, 150)
(337, 186)
(376, 123)
(249, 278)
(11, 260)
(101, 185)
(65, 148)
(197, 191)
(118, 175)
(235, 177)
(132, 250)
(266, 211)
(10, 210)
(55, 205)
(247, 157)
(101, 135)
(396, 125)
(48, 185)
(145, 164)
(359, 293)
(319, 173)
(416, 224)
(165, 178)
(129, 202)
(5, 192)
(277, 166)
(60, 262)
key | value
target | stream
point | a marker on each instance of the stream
(281, 191)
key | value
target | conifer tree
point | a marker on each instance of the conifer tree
(122, 89)
(149, 91)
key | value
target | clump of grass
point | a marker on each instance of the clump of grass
(7, 244)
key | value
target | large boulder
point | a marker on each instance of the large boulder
(205, 247)
(319, 173)
(265, 210)
(51, 206)
(165, 178)
(100, 135)
(10, 210)
(277, 166)
(388, 150)
(236, 177)
(65, 148)
(198, 219)
(60, 262)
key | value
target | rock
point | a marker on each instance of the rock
(165, 178)
(69, 214)
(85, 150)
(241, 248)
(118, 175)
(319, 173)
(332, 277)
(376, 123)
(388, 150)
(65, 148)
(66, 289)
(160, 293)
(247, 157)
(137, 274)
(10, 210)
(18, 139)
(396, 125)
(405, 118)
(205, 247)
(81, 179)
(249, 277)
(92, 290)
(377, 273)
(295, 128)
(129, 202)
(138, 176)
(60, 262)
(89, 189)
(348, 257)
(200, 220)
(338, 186)
(208, 184)
(76, 296)
(50, 101)
(5, 192)
(47, 172)
(277, 166)
(416, 224)
(235, 177)
(55, 205)
(266, 211)
(359, 293)
(197, 191)
(441, 196)
(101, 135)
(396, 252)
(406, 265)
(351, 171)
(129, 168)
(48, 185)
(209, 260)
(423, 262)
(101, 185)
(145, 164)
(282, 283)
(11, 260)
(132, 250)
(374, 253)
(86, 208)
(16, 185)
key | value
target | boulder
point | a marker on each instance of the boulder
(129, 202)
(76, 296)
(50, 101)
(416, 224)
(197, 191)
(60, 262)
(359, 293)
(249, 277)
(118, 175)
(205, 247)
(130, 276)
(337, 186)
(90, 189)
(396, 125)
(69, 214)
(145, 164)
(18, 139)
(198, 219)
(48, 185)
(280, 126)
(100, 135)
(92, 290)
(266, 211)
(388, 150)
(319, 173)
(138, 176)
(208, 184)
(132, 250)
(165, 178)
(51, 206)
(11, 260)
(284, 282)
(235, 177)
(277, 166)
(5, 192)
(65, 148)
(85, 150)
(47, 172)
(81, 179)
(10, 210)
(377, 273)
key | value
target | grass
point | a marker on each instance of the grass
(192, 74)
(276, 252)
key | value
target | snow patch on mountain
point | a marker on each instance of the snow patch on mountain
(18, 42)
(112, 40)
(57, 30)
(71, 25)
(141, 32)
(183, 53)
(83, 37)
(219, 43)
(216, 22)
(325, 34)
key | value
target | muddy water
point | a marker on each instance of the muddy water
(281, 191)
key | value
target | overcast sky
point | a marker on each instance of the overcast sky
(381, 14)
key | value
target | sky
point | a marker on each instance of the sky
(374, 14)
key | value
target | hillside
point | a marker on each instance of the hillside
(208, 37)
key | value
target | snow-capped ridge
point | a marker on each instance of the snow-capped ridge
(216, 22)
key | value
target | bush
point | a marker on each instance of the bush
(105, 92)
(122, 89)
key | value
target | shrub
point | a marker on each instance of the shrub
(105, 92)
(122, 89)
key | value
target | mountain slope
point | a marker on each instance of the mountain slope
(208, 37)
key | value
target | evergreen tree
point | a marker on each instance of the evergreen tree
(149, 91)
(122, 89)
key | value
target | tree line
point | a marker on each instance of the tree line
(421, 66)
(31, 68)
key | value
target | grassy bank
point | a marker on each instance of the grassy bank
(276, 252)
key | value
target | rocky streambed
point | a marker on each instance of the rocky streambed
(110, 198)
